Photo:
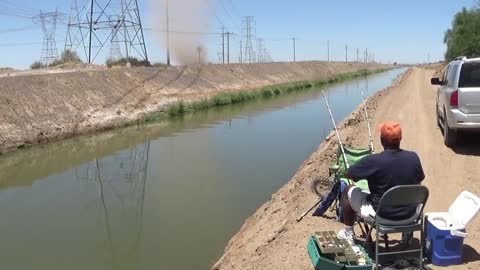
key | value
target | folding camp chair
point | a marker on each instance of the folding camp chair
(407, 195)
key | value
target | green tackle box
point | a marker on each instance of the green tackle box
(327, 261)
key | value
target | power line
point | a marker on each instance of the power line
(20, 44)
(182, 32)
(14, 5)
(13, 10)
(12, 14)
(233, 21)
(234, 9)
(19, 29)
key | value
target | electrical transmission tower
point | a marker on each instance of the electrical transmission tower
(49, 27)
(260, 51)
(248, 34)
(95, 23)
(115, 51)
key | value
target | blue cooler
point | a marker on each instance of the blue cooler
(445, 231)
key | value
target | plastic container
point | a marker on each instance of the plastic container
(327, 261)
(319, 261)
(445, 231)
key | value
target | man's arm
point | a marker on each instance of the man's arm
(362, 170)
(420, 170)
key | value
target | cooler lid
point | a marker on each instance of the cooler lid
(465, 207)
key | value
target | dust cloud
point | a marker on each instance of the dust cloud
(188, 24)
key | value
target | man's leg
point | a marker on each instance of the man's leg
(348, 216)
(348, 212)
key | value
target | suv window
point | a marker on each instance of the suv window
(451, 75)
(445, 74)
(470, 75)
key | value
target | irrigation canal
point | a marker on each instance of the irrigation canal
(166, 196)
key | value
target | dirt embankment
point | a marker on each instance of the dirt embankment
(272, 239)
(41, 106)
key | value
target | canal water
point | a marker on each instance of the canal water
(164, 196)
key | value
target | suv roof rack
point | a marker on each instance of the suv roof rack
(473, 59)
(461, 58)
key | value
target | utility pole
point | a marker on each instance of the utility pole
(223, 44)
(241, 52)
(328, 50)
(294, 50)
(228, 47)
(168, 32)
(199, 51)
(346, 53)
(357, 55)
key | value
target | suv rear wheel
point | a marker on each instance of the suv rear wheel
(449, 135)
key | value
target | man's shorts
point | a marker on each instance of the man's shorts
(360, 204)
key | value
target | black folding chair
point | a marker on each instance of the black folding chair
(408, 195)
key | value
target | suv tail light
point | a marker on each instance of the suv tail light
(454, 99)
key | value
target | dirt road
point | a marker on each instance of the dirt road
(271, 238)
(448, 171)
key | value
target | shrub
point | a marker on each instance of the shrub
(267, 93)
(222, 99)
(159, 65)
(175, 109)
(67, 57)
(37, 65)
(135, 62)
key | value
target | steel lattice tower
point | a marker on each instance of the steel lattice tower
(49, 27)
(115, 51)
(248, 34)
(260, 51)
(95, 23)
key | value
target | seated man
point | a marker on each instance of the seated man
(383, 171)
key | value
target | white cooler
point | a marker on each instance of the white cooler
(445, 231)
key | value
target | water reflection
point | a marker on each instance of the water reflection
(120, 187)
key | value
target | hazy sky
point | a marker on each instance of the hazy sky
(404, 31)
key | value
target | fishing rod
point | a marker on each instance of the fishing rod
(368, 122)
(320, 200)
(310, 209)
(336, 131)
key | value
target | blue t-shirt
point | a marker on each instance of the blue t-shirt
(392, 167)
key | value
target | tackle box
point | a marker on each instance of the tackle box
(333, 261)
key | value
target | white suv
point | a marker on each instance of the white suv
(458, 98)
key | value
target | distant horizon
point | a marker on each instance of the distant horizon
(405, 32)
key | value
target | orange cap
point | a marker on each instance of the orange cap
(390, 131)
